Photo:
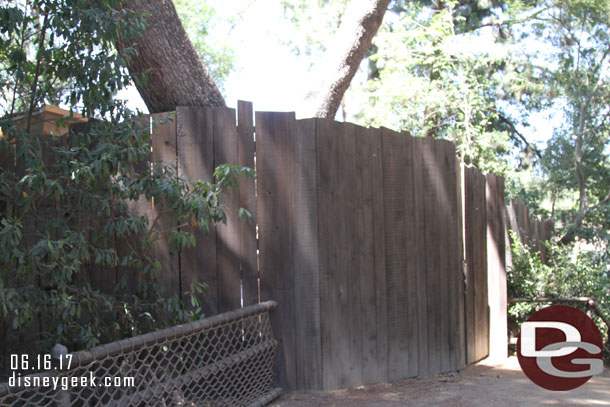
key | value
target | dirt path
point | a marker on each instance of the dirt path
(479, 385)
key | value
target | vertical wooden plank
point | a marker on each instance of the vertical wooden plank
(329, 304)
(483, 297)
(476, 215)
(350, 274)
(450, 270)
(432, 236)
(247, 200)
(227, 235)
(364, 248)
(305, 256)
(461, 288)
(477, 222)
(379, 254)
(469, 222)
(546, 232)
(335, 289)
(520, 220)
(413, 260)
(533, 231)
(195, 140)
(164, 151)
(273, 138)
(443, 230)
(395, 192)
(512, 217)
(496, 268)
(420, 254)
(525, 225)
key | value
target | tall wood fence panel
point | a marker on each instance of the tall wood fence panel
(496, 268)
(475, 241)
(358, 239)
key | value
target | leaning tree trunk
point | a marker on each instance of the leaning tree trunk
(341, 60)
(175, 74)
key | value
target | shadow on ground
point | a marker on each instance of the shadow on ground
(478, 385)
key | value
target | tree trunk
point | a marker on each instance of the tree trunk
(341, 60)
(175, 74)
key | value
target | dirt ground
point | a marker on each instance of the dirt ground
(478, 385)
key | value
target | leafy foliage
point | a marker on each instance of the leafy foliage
(435, 83)
(67, 203)
(573, 271)
(576, 159)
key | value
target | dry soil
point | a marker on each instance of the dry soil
(479, 385)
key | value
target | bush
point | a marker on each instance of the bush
(572, 271)
(62, 216)
(63, 207)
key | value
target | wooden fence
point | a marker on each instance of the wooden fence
(385, 255)
(373, 243)
(533, 231)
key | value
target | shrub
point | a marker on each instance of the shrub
(573, 271)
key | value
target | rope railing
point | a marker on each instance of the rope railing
(224, 360)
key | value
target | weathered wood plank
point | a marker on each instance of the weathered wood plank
(164, 151)
(482, 297)
(247, 200)
(546, 232)
(334, 291)
(433, 254)
(395, 173)
(379, 254)
(420, 250)
(443, 221)
(413, 259)
(461, 287)
(273, 145)
(525, 223)
(476, 223)
(351, 273)
(450, 267)
(496, 268)
(227, 235)
(513, 222)
(305, 252)
(364, 248)
(470, 215)
(195, 140)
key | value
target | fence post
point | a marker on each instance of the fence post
(58, 354)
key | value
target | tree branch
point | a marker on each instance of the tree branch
(518, 133)
(340, 62)
(39, 54)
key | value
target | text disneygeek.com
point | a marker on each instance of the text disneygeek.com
(65, 382)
